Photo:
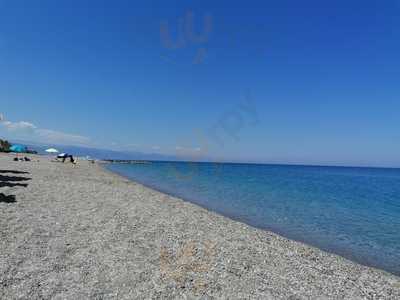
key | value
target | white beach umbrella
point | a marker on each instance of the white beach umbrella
(52, 150)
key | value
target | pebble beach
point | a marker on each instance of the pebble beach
(81, 232)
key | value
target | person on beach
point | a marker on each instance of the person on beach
(64, 156)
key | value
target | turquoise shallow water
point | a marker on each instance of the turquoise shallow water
(354, 212)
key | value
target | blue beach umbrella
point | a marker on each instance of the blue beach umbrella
(18, 149)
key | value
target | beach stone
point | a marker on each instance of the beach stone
(81, 232)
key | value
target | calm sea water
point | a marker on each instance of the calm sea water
(354, 212)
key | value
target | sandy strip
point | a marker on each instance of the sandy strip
(78, 232)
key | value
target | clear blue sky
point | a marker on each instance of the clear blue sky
(323, 78)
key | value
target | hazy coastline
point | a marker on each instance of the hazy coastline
(80, 231)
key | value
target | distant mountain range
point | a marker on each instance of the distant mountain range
(98, 153)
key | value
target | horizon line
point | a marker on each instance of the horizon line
(207, 160)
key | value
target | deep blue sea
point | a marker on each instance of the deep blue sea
(353, 212)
